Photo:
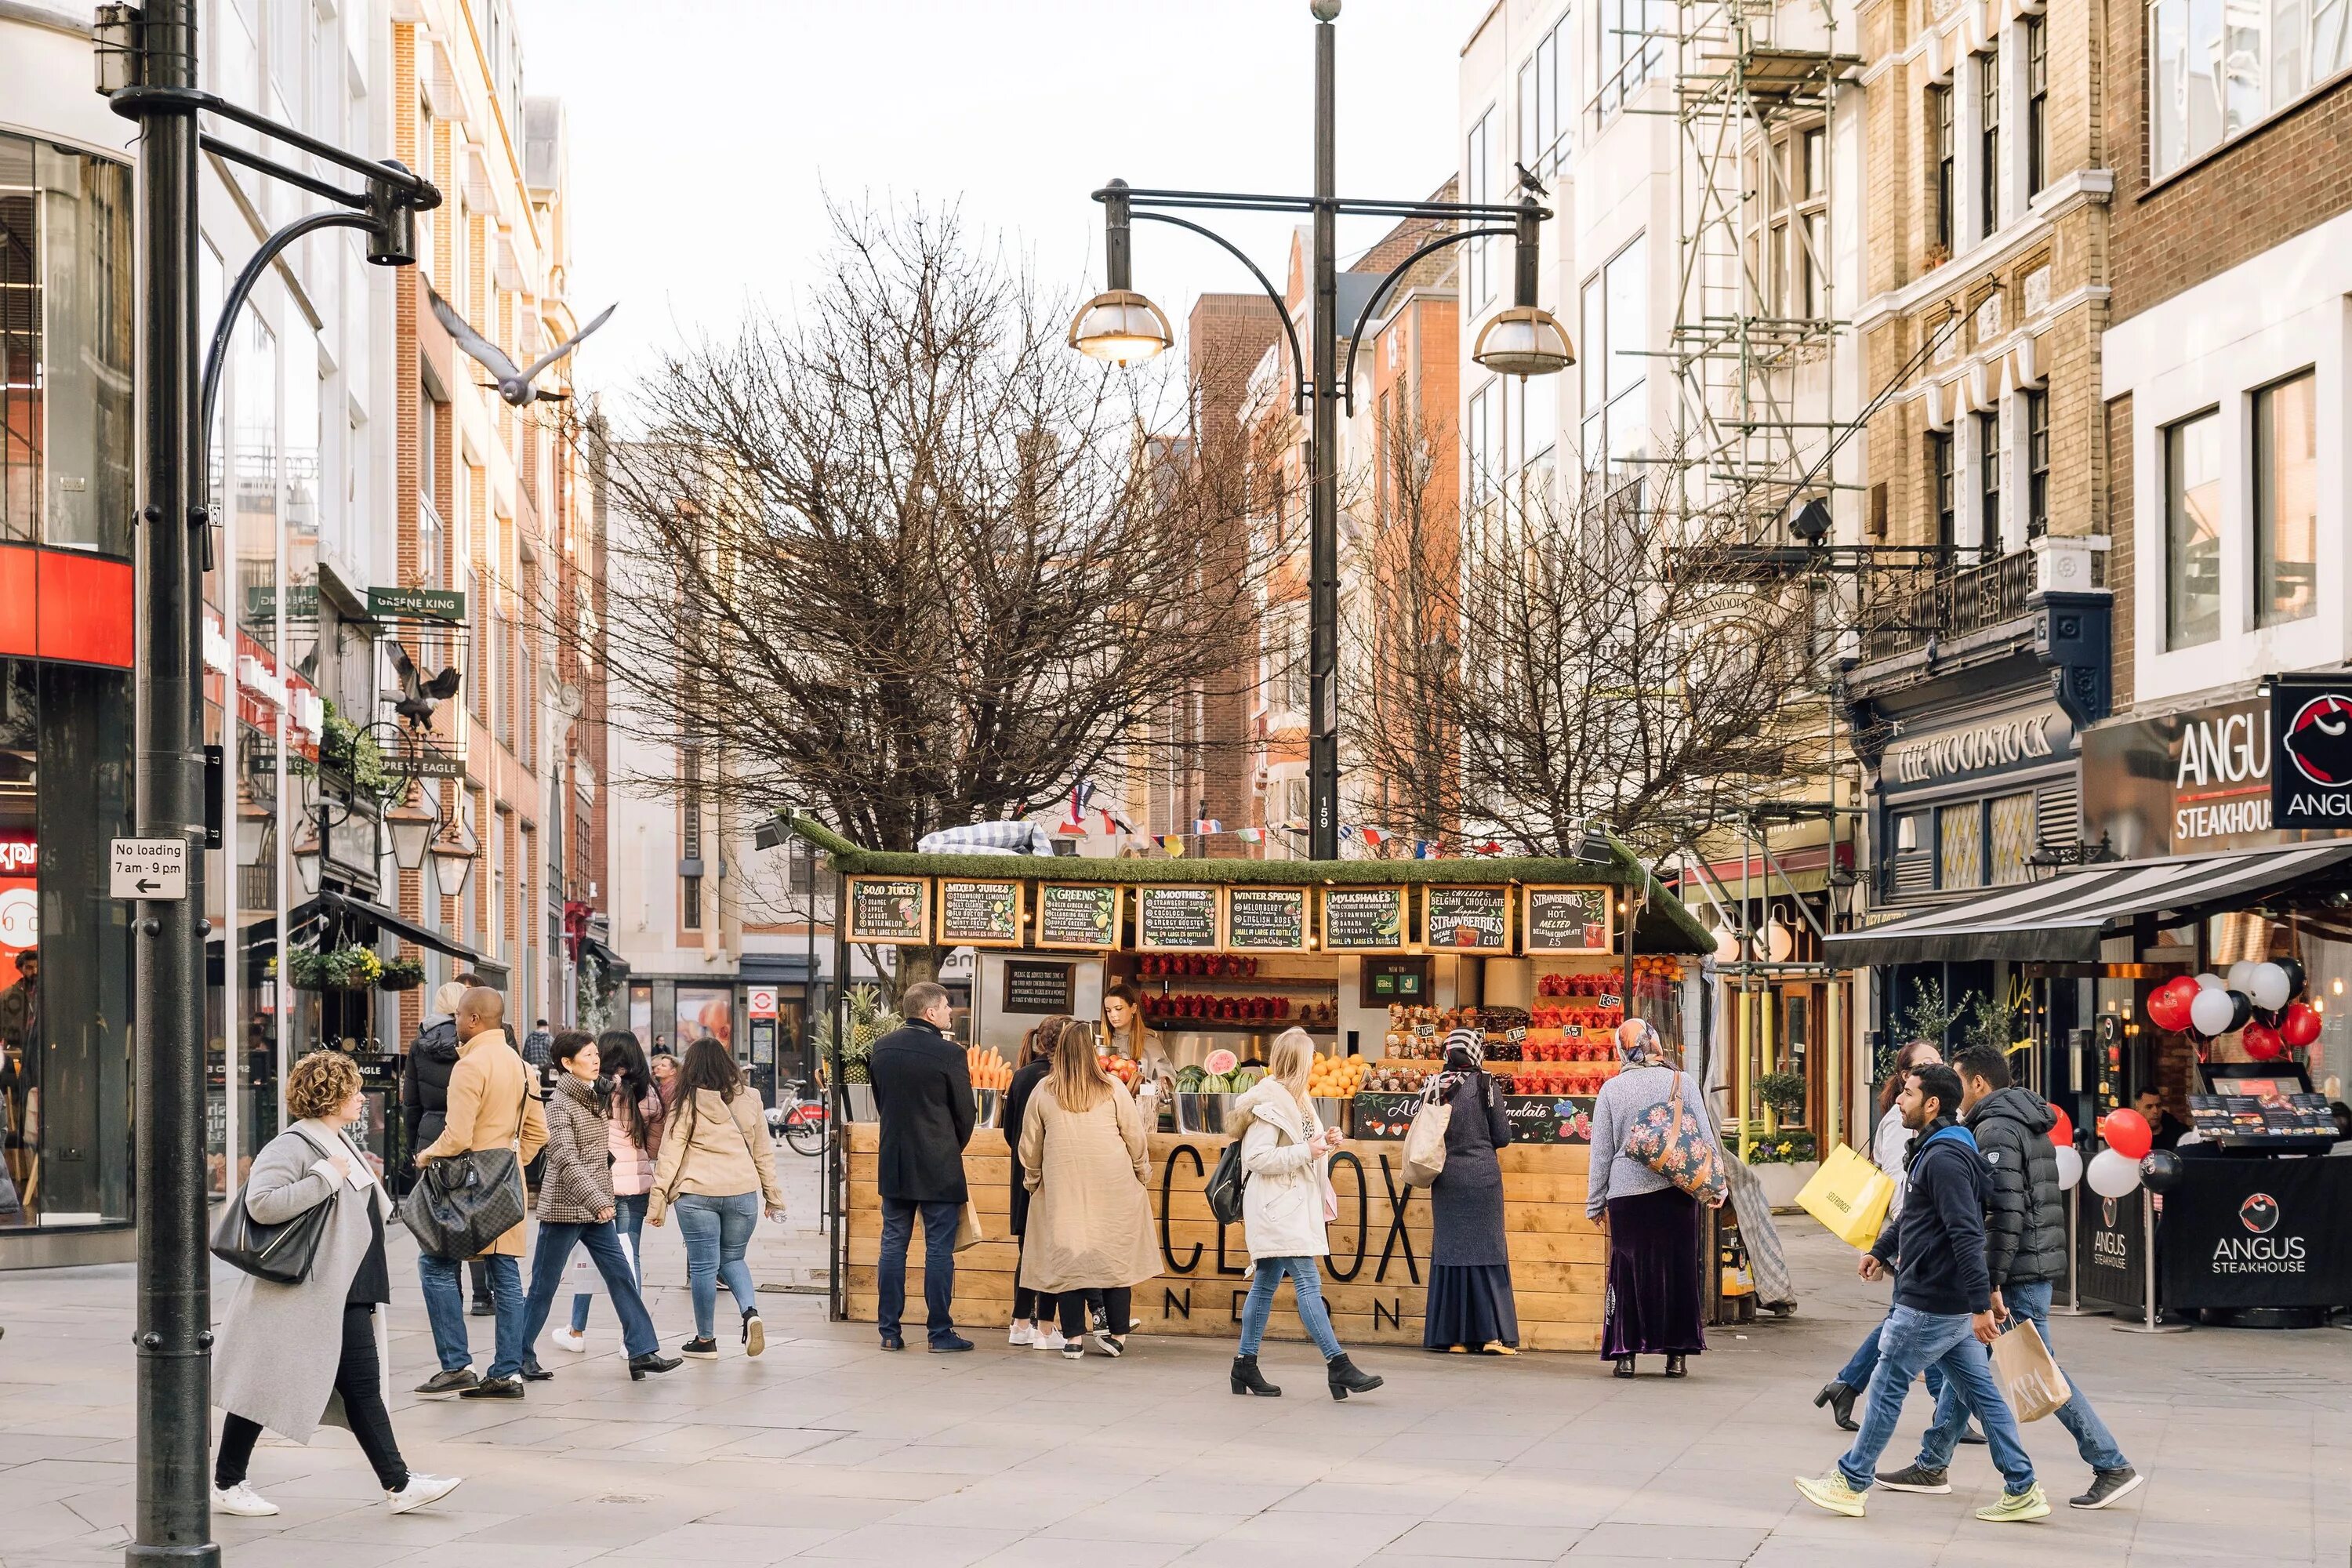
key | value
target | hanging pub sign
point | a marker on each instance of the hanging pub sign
(1179, 919)
(1265, 920)
(979, 912)
(1465, 920)
(2311, 752)
(1363, 919)
(896, 910)
(1569, 920)
(1080, 915)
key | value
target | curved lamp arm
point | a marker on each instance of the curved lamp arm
(272, 249)
(1281, 308)
(1356, 337)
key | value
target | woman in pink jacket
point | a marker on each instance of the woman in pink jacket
(635, 1134)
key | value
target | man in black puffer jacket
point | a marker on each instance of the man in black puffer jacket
(425, 1099)
(2025, 1255)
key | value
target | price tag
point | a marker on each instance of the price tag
(149, 869)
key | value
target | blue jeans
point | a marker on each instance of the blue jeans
(1855, 1374)
(445, 1309)
(940, 1222)
(2030, 1303)
(628, 1220)
(1911, 1341)
(716, 1231)
(1306, 1280)
(603, 1244)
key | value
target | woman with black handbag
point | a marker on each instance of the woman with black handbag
(298, 1351)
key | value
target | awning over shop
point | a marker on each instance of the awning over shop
(2061, 921)
(330, 902)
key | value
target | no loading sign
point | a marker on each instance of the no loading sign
(2311, 765)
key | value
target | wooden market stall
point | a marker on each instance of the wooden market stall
(1376, 959)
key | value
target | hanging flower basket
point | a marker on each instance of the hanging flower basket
(349, 968)
(401, 974)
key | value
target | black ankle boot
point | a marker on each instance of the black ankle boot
(1675, 1367)
(1346, 1380)
(1247, 1379)
(1840, 1400)
(1624, 1366)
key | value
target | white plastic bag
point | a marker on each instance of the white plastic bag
(583, 1277)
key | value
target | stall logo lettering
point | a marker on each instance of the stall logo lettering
(2260, 1253)
(2318, 742)
(2259, 1214)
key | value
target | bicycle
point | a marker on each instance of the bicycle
(802, 1123)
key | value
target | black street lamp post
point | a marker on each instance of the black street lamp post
(1122, 326)
(146, 59)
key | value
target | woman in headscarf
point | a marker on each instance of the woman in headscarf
(1470, 1305)
(1654, 1305)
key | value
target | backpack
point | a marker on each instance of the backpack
(1226, 1184)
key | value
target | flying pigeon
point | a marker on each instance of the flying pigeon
(418, 696)
(514, 385)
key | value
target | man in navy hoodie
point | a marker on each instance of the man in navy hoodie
(1942, 1307)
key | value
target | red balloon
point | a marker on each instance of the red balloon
(2168, 1010)
(2063, 1133)
(2126, 1132)
(2184, 986)
(2262, 1042)
(2300, 1026)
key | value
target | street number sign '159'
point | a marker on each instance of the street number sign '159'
(150, 869)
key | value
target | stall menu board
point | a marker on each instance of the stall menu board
(1363, 919)
(1465, 920)
(1179, 920)
(1568, 919)
(1041, 989)
(1077, 914)
(977, 912)
(1548, 1117)
(890, 910)
(1265, 920)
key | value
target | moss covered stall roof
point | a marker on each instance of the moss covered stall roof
(1665, 926)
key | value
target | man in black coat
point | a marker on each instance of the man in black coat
(425, 1104)
(922, 1089)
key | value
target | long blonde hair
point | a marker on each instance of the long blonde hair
(1077, 1079)
(1290, 1059)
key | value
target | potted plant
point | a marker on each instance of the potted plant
(1783, 1162)
(401, 974)
(347, 968)
(1783, 1094)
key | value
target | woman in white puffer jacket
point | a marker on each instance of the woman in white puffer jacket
(1284, 1146)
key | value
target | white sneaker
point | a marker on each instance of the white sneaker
(1025, 1332)
(572, 1340)
(421, 1491)
(243, 1501)
(1047, 1340)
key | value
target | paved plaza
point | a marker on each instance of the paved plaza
(826, 1450)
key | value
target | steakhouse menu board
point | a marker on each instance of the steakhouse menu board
(2261, 1111)
(1077, 914)
(975, 912)
(1265, 920)
(1568, 919)
(1179, 920)
(1363, 919)
(890, 908)
(1465, 920)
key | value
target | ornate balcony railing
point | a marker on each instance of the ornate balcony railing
(1949, 605)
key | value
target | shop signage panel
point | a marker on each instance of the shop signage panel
(1265, 920)
(1466, 919)
(2257, 1233)
(1981, 747)
(976, 911)
(1078, 914)
(1383, 1117)
(891, 909)
(1569, 919)
(416, 603)
(1548, 1117)
(2190, 783)
(1179, 919)
(1363, 919)
(2311, 761)
(1040, 989)
(2111, 1267)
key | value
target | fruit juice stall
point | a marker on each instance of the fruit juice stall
(1378, 960)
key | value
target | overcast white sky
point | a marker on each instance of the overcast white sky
(705, 132)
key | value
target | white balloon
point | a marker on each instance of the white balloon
(2211, 981)
(2211, 1013)
(2111, 1175)
(2070, 1167)
(2268, 986)
(2242, 975)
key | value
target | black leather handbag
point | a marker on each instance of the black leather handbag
(282, 1254)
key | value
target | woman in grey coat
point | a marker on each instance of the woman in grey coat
(294, 1357)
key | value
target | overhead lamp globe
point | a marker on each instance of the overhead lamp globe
(1525, 340)
(1121, 327)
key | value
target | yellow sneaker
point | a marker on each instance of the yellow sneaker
(1832, 1492)
(2016, 1508)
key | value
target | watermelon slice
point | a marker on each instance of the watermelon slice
(1219, 1063)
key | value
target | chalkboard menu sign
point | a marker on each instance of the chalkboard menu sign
(1569, 920)
(1363, 919)
(890, 908)
(980, 913)
(1038, 988)
(1077, 914)
(1465, 920)
(1265, 920)
(1179, 920)
(1548, 1118)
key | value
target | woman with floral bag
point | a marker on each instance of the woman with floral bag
(1652, 1147)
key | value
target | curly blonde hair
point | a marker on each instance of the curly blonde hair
(320, 1084)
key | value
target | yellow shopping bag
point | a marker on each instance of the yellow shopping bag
(1850, 1195)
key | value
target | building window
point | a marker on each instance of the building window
(1632, 51)
(1543, 125)
(1478, 185)
(2287, 499)
(1989, 143)
(1959, 846)
(1788, 177)
(2192, 530)
(1989, 540)
(2216, 71)
(1615, 307)
(1939, 139)
(689, 839)
(2037, 464)
(1941, 488)
(2037, 106)
(1481, 443)
(2012, 835)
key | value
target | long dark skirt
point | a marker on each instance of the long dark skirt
(1470, 1305)
(1653, 1277)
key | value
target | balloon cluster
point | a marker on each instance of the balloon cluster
(2259, 1002)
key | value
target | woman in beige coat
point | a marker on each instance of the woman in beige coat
(1083, 1153)
(716, 1166)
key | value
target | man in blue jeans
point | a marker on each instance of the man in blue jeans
(1943, 1310)
(2025, 1254)
(922, 1093)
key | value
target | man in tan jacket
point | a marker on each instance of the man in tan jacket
(492, 1105)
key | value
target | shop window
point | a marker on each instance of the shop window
(2287, 499)
(1959, 846)
(705, 1010)
(2192, 530)
(2012, 838)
